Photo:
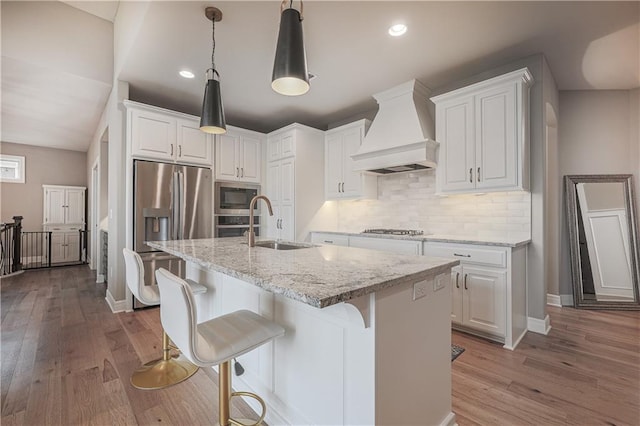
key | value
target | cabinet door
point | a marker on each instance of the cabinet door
(55, 202)
(333, 167)
(250, 159)
(456, 161)
(484, 299)
(273, 224)
(287, 181)
(74, 210)
(456, 295)
(72, 246)
(272, 189)
(496, 139)
(288, 145)
(57, 247)
(227, 157)
(287, 222)
(194, 146)
(274, 148)
(153, 135)
(352, 181)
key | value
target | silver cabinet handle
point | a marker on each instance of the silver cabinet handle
(478, 177)
(461, 255)
(179, 150)
(237, 171)
(342, 187)
(457, 276)
(338, 186)
(471, 174)
(328, 241)
(465, 282)
(242, 171)
(171, 145)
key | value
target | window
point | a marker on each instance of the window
(11, 168)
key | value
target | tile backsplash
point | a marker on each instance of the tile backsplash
(409, 201)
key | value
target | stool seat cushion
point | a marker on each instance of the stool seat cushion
(231, 335)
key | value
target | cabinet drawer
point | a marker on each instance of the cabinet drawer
(481, 255)
(333, 239)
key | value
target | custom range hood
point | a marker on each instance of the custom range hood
(400, 138)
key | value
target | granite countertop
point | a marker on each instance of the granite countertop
(486, 241)
(319, 276)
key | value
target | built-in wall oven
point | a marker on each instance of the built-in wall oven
(231, 209)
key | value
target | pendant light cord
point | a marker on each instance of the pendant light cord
(213, 49)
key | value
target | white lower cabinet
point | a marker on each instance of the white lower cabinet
(478, 299)
(488, 289)
(65, 244)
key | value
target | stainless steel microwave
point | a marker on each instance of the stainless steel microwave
(233, 198)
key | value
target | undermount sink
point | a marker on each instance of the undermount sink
(277, 245)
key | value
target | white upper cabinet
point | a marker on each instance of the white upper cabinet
(239, 155)
(483, 130)
(194, 145)
(165, 135)
(340, 179)
(63, 205)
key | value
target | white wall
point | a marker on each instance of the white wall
(598, 135)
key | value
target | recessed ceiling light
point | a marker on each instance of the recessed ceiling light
(397, 30)
(186, 74)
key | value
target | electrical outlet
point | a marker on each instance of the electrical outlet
(440, 282)
(420, 289)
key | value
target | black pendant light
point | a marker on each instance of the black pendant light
(290, 76)
(212, 117)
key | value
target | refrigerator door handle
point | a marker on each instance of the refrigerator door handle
(175, 206)
(181, 188)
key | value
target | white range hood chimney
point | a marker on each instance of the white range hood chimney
(400, 138)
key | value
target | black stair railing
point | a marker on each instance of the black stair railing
(10, 246)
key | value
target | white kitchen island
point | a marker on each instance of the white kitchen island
(367, 337)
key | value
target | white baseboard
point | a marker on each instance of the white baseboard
(99, 278)
(566, 299)
(450, 420)
(115, 305)
(554, 300)
(539, 326)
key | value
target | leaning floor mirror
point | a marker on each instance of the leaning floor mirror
(603, 240)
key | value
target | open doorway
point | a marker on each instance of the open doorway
(98, 205)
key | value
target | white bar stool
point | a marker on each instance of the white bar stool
(213, 342)
(168, 370)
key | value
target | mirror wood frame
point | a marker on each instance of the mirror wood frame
(572, 219)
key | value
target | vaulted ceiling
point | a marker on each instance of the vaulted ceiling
(58, 62)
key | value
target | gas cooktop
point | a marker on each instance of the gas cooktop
(410, 232)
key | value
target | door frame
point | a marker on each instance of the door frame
(95, 258)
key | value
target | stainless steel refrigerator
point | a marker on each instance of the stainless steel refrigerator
(171, 202)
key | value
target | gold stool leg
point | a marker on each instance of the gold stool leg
(163, 372)
(225, 395)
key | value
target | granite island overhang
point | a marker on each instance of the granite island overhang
(352, 318)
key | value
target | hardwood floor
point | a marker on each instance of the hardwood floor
(66, 360)
(585, 372)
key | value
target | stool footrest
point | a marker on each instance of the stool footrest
(257, 398)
